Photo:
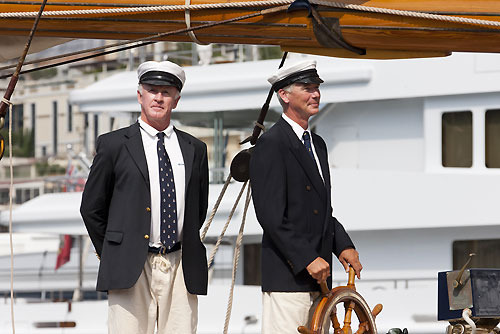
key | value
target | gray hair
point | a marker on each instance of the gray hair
(287, 89)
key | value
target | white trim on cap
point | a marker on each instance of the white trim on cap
(286, 71)
(162, 66)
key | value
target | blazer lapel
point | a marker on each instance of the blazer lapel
(136, 149)
(323, 160)
(325, 169)
(187, 149)
(300, 153)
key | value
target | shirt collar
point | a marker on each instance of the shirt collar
(299, 131)
(153, 132)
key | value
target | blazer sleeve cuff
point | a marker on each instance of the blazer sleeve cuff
(301, 263)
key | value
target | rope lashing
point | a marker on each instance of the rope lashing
(2, 119)
(261, 126)
(360, 8)
(187, 18)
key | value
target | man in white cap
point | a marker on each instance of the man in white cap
(290, 181)
(144, 203)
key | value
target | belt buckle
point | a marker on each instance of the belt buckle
(163, 250)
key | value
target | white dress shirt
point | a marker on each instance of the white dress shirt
(299, 131)
(150, 140)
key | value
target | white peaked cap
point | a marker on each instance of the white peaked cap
(304, 72)
(161, 73)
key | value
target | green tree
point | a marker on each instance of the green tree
(23, 142)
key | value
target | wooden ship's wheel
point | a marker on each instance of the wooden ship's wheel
(340, 303)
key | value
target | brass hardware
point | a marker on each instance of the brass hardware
(148, 209)
(2, 145)
(308, 188)
(458, 281)
(146, 236)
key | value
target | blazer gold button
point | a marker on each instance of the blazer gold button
(308, 188)
(146, 236)
(148, 209)
(315, 211)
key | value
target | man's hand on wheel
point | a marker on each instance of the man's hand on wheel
(350, 256)
(319, 269)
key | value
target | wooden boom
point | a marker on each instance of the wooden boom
(377, 35)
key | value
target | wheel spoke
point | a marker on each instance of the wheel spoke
(335, 321)
(347, 317)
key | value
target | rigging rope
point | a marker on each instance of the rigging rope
(239, 240)
(149, 9)
(11, 190)
(236, 258)
(216, 206)
(140, 41)
(219, 239)
(6, 102)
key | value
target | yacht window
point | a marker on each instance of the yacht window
(457, 139)
(4, 196)
(19, 196)
(492, 138)
(487, 253)
(252, 264)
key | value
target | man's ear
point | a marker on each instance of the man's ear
(139, 97)
(176, 101)
(283, 95)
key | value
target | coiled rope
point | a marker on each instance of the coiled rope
(167, 8)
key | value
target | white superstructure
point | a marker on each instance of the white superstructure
(396, 132)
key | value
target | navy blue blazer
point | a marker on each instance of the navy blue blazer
(293, 206)
(116, 209)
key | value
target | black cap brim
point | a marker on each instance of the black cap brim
(159, 78)
(307, 76)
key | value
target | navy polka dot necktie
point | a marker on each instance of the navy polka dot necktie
(168, 213)
(307, 144)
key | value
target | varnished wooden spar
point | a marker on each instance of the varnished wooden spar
(381, 35)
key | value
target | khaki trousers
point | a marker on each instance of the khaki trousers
(159, 300)
(283, 312)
